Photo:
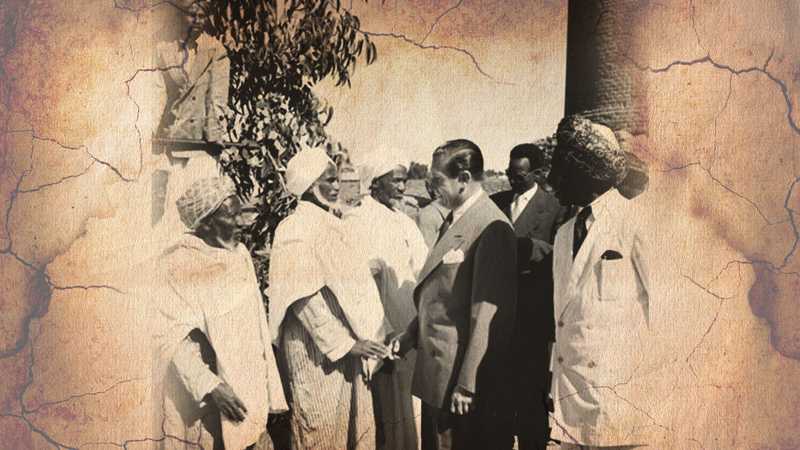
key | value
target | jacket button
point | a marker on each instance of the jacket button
(560, 360)
(592, 365)
(560, 324)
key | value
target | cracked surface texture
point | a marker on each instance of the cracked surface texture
(722, 86)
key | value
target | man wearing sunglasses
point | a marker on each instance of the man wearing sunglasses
(535, 214)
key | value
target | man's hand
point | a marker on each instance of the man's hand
(400, 344)
(369, 367)
(370, 349)
(539, 250)
(227, 402)
(461, 401)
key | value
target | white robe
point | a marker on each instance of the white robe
(311, 251)
(396, 251)
(323, 298)
(216, 292)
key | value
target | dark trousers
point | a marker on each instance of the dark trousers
(479, 430)
(532, 424)
(534, 331)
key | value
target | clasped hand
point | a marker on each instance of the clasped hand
(372, 353)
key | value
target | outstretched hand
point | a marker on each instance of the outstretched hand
(228, 403)
(399, 345)
(366, 348)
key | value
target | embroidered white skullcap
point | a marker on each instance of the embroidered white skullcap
(376, 164)
(203, 198)
(305, 168)
(591, 146)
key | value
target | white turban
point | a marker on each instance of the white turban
(377, 164)
(305, 168)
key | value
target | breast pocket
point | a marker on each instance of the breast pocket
(615, 279)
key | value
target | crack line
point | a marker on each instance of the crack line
(716, 180)
(59, 181)
(436, 21)
(408, 40)
(70, 398)
(721, 66)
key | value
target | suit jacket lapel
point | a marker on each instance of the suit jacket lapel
(596, 233)
(531, 210)
(461, 232)
(202, 61)
(580, 265)
(171, 56)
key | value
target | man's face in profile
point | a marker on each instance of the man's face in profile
(328, 184)
(448, 189)
(571, 186)
(226, 219)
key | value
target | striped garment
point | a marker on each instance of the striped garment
(330, 402)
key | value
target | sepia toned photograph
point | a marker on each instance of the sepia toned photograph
(400, 225)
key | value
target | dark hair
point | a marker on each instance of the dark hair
(459, 155)
(532, 152)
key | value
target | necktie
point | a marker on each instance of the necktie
(580, 230)
(445, 225)
(515, 208)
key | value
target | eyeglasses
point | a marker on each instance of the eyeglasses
(540, 171)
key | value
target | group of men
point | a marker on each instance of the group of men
(518, 315)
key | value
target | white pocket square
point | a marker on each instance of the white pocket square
(453, 257)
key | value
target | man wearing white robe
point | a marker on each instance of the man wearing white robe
(396, 251)
(216, 376)
(325, 314)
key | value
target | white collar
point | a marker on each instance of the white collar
(464, 207)
(308, 208)
(528, 195)
(369, 202)
(599, 206)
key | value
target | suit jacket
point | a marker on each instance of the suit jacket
(197, 93)
(539, 220)
(602, 304)
(430, 220)
(466, 300)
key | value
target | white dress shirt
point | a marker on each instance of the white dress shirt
(464, 207)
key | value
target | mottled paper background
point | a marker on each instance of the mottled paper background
(722, 85)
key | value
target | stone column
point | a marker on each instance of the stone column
(601, 83)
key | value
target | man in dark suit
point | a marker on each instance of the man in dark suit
(466, 301)
(536, 215)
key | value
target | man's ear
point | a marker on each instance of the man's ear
(464, 176)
